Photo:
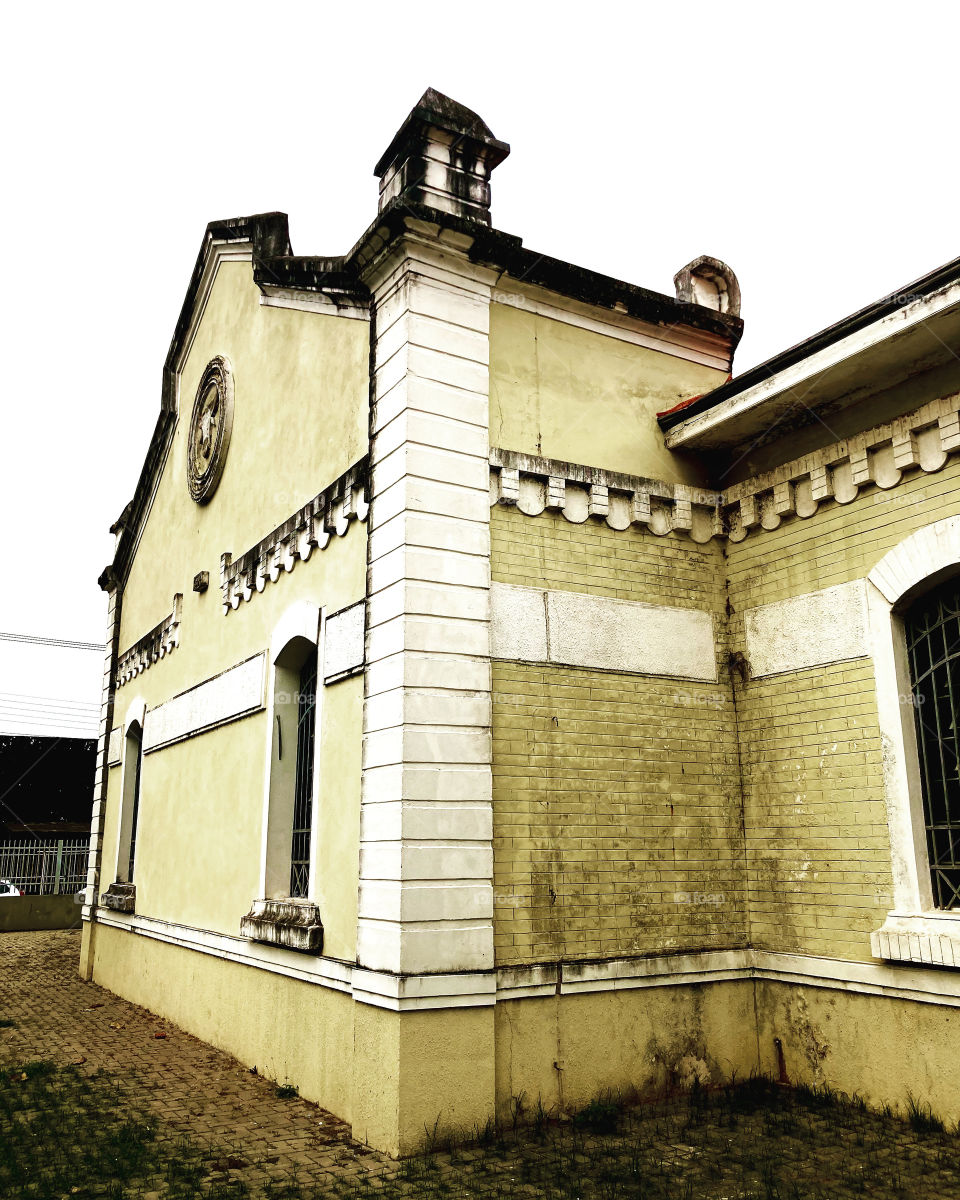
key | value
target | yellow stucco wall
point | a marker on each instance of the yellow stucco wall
(291, 1031)
(300, 421)
(560, 391)
(879, 1047)
(617, 824)
(567, 1050)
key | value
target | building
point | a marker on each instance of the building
(47, 757)
(471, 730)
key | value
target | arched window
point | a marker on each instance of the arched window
(130, 787)
(133, 760)
(303, 779)
(284, 913)
(932, 629)
(289, 817)
(121, 894)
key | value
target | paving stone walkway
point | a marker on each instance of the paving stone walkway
(758, 1142)
(195, 1090)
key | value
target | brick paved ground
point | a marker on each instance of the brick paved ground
(759, 1142)
(193, 1089)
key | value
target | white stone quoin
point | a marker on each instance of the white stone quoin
(426, 858)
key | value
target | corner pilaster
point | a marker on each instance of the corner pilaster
(426, 857)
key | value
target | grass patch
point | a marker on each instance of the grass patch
(922, 1118)
(286, 1091)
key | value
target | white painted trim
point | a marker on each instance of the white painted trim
(229, 696)
(300, 620)
(923, 554)
(272, 296)
(427, 734)
(800, 373)
(901, 766)
(344, 642)
(136, 712)
(481, 988)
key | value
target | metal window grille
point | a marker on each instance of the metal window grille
(45, 866)
(933, 645)
(303, 794)
(135, 815)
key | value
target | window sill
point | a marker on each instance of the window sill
(120, 897)
(292, 924)
(930, 938)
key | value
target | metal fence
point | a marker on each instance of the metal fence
(45, 866)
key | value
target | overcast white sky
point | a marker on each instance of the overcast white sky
(812, 147)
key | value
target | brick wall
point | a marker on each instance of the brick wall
(818, 848)
(614, 793)
(617, 823)
(818, 864)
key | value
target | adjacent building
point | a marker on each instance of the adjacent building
(501, 699)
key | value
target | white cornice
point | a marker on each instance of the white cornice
(272, 296)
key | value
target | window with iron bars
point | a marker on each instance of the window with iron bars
(932, 626)
(303, 787)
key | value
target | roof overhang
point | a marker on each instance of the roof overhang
(907, 333)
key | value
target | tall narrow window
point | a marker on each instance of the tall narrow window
(136, 744)
(303, 786)
(932, 627)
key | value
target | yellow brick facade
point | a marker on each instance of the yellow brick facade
(615, 794)
(617, 822)
(818, 849)
(818, 842)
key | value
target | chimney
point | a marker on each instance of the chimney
(442, 156)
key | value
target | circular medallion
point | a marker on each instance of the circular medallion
(210, 426)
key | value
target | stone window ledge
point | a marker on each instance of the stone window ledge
(293, 924)
(120, 897)
(930, 938)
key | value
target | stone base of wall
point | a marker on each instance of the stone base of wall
(882, 1048)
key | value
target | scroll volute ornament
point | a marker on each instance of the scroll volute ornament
(211, 424)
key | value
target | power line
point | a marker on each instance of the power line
(23, 719)
(34, 701)
(41, 710)
(19, 711)
(36, 640)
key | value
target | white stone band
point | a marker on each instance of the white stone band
(579, 630)
(811, 630)
(234, 694)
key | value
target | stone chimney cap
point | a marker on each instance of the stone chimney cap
(439, 111)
